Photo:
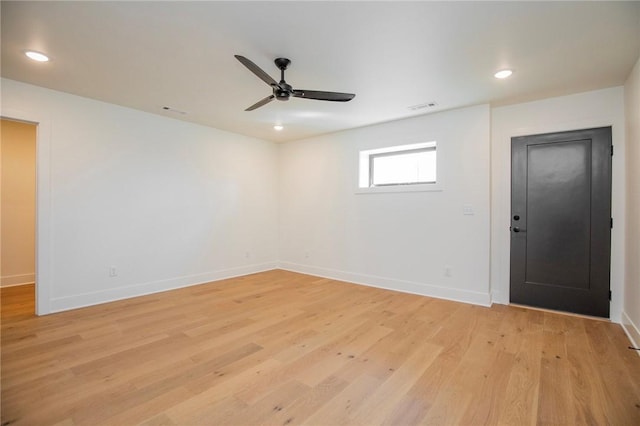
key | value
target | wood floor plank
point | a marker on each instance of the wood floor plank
(273, 408)
(219, 386)
(588, 394)
(223, 411)
(330, 358)
(522, 389)
(301, 408)
(282, 348)
(381, 401)
(487, 410)
(444, 411)
(338, 410)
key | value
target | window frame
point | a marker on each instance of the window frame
(373, 156)
(364, 176)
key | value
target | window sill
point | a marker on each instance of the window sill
(400, 188)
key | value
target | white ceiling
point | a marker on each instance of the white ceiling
(392, 55)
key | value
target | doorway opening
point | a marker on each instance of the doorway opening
(18, 218)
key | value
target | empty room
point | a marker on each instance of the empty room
(320, 213)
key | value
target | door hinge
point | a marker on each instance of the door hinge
(612, 150)
(609, 294)
(611, 223)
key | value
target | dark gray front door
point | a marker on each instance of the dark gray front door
(561, 220)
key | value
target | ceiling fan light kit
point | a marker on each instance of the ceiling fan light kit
(282, 91)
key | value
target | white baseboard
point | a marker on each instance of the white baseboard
(19, 279)
(466, 296)
(60, 304)
(499, 298)
(632, 330)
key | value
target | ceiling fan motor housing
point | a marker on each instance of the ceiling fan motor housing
(282, 91)
(282, 95)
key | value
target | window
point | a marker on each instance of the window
(399, 165)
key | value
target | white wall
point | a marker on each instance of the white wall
(401, 241)
(167, 203)
(18, 194)
(170, 203)
(592, 109)
(631, 313)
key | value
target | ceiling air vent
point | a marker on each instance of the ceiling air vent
(423, 106)
(171, 109)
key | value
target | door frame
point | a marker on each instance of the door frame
(501, 199)
(43, 243)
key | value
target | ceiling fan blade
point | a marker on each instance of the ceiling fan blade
(256, 70)
(261, 103)
(323, 96)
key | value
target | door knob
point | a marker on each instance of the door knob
(516, 229)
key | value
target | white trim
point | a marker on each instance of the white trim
(18, 279)
(499, 298)
(632, 330)
(420, 187)
(59, 304)
(362, 184)
(44, 241)
(398, 148)
(422, 289)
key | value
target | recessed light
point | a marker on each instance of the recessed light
(278, 127)
(503, 74)
(36, 56)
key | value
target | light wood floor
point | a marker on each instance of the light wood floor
(281, 348)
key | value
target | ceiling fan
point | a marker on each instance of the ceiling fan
(282, 91)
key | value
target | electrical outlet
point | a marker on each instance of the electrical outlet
(447, 271)
(247, 255)
(306, 254)
(113, 271)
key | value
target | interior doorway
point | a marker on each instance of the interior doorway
(18, 215)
